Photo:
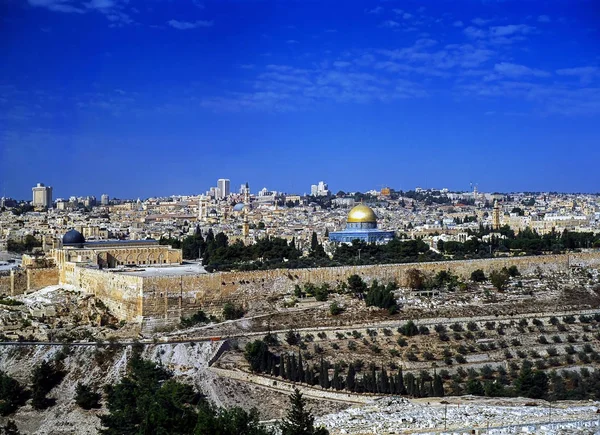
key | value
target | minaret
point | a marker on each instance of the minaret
(496, 216)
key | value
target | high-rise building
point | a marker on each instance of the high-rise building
(104, 199)
(321, 189)
(42, 196)
(223, 186)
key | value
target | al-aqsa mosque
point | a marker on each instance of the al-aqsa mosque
(362, 225)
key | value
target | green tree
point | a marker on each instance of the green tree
(44, 378)
(10, 428)
(356, 285)
(12, 394)
(232, 421)
(86, 397)
(475, 388)
(231, 312)
(499, 279)
(299, 420)
(148, 401)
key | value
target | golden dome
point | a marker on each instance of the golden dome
(362, 214)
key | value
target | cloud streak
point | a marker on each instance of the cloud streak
(188, 25)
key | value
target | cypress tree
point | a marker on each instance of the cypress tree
(400, 382)
(290, 368)
(351, 378)
(337, 383)
(301, 374)
(282, 368)
(438, 386)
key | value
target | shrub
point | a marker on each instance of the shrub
(335, 309)
(478, 276)
(423, 330)
(428, 356)
(554, 320)
(456, 327)
(556, 339)
(569, 319)
(402, 342)
(460, 359)
(552, 351)
(231, 312)
(409, 329)
(440, 328)
(542, 339)
(410, 356)
(194, 319)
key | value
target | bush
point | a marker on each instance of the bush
(423, 330)
(478, 276)
(456, 327)
(402, 342)
(12, 394)
(198, 317)
(231, 312)
(44, 378)
(85, 397)
(410, 356)
(335, 309)
(472, 326)
(460, 359)
(409, 329)
(542, 339)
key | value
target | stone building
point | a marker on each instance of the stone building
(113, 253)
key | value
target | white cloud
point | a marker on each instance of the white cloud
(511, 29)
(458, 23)
(186, 25)
(341, 64)
(390, 24)
(100, 4)
(586, 74)
(544, 19)
(474, 32)
(57, 6)
(480, 21)
(375, 11)
(514, 70)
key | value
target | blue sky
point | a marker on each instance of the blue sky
(137, 99)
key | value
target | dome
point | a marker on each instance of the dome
(73, 237)
(362, 214)
(239, 207)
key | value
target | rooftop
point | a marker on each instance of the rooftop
(180, 270)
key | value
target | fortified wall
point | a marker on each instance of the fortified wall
(163, 300)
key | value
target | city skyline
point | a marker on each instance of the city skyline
(138, 100)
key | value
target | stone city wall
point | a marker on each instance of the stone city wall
(121, 293)
(164, 300)
(170, 298)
